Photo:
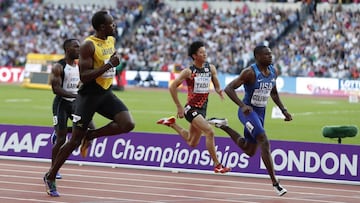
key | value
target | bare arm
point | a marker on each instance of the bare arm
(86, 63)
(186, 73)
(245, 77)
(215, 81)
(56, 82)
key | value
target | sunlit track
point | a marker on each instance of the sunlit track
(21, 181)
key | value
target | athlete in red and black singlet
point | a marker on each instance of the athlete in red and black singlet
(194, 99)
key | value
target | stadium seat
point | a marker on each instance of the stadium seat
(339, 132)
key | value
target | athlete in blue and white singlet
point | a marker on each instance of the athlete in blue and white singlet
(259, 81)
(256, 96)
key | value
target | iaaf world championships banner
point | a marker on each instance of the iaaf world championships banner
(327, 162)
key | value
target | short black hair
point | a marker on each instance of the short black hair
(67, 42)
(258, 48)
(194, 47)
(99, 18)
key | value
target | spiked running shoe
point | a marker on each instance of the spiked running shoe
(218, 122)
(50, 187)
(221, 169)
(167, 121)
(280, 190)
(85, 143)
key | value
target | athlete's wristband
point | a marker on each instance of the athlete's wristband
(109, 62)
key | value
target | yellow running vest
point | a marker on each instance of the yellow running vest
(103, 50)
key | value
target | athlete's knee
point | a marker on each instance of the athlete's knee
(263, 142)
(250, 149)
(250, 152)
(60, 140)
(209, 133)
(127, 126)
(76, 137)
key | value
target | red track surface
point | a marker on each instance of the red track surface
(21, 181)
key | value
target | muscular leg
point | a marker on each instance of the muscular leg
(247, 147)
(123, 123)
(200, 123)
(182, 132)
(65, 152)
(266, 156)
(60, 140)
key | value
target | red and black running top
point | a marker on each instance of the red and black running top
(199, 86)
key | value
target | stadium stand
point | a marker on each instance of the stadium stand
(154, 33)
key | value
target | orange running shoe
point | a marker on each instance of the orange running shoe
(167, 121)
(221, 169)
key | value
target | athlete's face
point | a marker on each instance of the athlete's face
(109, 26)
(74, 49)
(265, 56)
(200, 55)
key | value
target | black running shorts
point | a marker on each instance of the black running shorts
(191, 112)
(105, 103)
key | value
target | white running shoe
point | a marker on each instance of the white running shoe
(218, 122)
(280, 190)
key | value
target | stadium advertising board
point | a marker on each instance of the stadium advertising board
(350, 85)
(38, 68)
(292, 160)
(11, 74)
(318, 86)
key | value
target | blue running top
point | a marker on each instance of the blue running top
(258, 93)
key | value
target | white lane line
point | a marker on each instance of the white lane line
(179, 176)
(27, 200)
(304, 196)
(164, 182)
(66, 194)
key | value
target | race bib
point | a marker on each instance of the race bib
(202, 84)
(110, 73)
(260, 97)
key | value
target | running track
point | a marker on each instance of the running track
(21, 181)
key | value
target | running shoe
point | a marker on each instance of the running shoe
(167, 121)
(58, 176)
(85, 143)
(53, 137)
(50, 187)
(221, 169)
(218, 122)
(280, 190)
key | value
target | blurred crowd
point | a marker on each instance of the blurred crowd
(29, 26)
(161, 41)
(326, 44)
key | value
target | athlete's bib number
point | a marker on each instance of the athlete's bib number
(260, 97)
(201, 84)
(110, 73)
